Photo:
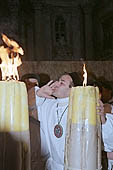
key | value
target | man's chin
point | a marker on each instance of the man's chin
(55, 94)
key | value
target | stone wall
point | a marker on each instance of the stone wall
(60, 30)
(54, 68)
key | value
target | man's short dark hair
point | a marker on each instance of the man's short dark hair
(76, 80)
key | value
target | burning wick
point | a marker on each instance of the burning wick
(10, 59)
(85, 76)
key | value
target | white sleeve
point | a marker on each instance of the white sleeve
(107, 133)
(44, 149)
(39, 100)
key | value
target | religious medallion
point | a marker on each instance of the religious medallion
(58, 131)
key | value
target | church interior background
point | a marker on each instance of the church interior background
(60, 35)
(60, 30)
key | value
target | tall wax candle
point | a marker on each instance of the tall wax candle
(83, 138)
(14, 125)
(13, 106)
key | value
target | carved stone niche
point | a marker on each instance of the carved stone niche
(61, 31)
(62, 49)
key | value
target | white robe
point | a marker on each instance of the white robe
(107, 133)
(52, 148)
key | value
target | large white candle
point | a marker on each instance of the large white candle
(83, 138)
(14, 117)
(83, 130)
(14, 125)
(13, 106)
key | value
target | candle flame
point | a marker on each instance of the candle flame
(85, 76)
(10, 59)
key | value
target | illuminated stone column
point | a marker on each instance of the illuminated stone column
(88, 29)
(42, 31)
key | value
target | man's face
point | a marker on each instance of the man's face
(62, 89)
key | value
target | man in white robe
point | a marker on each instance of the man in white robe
(52, 104)
(106, 112)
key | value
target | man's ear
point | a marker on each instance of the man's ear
(71, 85)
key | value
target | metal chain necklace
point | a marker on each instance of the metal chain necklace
(58, 129)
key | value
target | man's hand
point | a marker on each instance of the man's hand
(47, 90)
(101, 112)
(110, 155)
(100, 108)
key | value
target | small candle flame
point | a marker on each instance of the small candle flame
(10, 59)
(85, 76)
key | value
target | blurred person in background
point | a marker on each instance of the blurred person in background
(33, 80)
(106, 112)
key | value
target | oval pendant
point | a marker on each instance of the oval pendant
(58, 131)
